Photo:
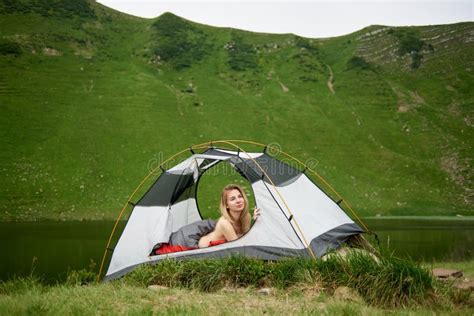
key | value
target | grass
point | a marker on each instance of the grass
(231, 286)
(389, 283)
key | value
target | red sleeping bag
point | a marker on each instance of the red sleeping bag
(167, 248)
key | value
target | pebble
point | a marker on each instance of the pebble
(443, 273)
(265, 291)
(155, 287)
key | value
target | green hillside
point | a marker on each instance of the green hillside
(91, 99)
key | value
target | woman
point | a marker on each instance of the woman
(235, 217)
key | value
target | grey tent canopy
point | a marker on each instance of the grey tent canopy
(298, 218)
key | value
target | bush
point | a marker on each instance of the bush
(306, 44)
(357, 62)
(242, 56)
(47, 8)
(10, 48)
(308, 60)
(409, 42)
(179, 42)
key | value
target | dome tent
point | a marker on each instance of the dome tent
(298, 218)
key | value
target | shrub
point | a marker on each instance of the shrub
(357, 62)
(409, 42)
(306, 44)
(10, 48)
(308, 60)
(241, 56)
(179, 42)
(47, 8)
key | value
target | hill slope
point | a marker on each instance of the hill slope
(92, 98)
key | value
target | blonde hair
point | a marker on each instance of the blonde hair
(242, 225)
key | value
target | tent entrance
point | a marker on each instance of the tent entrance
(208, 188)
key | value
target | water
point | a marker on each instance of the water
(50, 249)
(426, 239)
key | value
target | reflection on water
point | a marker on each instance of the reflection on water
(52, 248)
(58, 246)
(426, 239)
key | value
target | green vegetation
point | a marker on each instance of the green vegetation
(231, 285)
(242, 56)
(48, 8)
(389, 283)
(10, 48)
(88, 109)
(357, 62)
(179, 42)
(308, 60)
(410, 43)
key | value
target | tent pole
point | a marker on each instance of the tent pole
(231, 143)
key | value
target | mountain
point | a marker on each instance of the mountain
(91, 99)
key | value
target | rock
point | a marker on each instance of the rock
(347, 294)
(466, 285)
(265, 291)
(51, 52)
(443, 273)
(155, 287)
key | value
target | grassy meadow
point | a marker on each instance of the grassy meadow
(92, 99)
(353, 286)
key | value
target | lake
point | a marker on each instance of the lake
(50, 249)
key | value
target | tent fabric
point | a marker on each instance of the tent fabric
(166, 189)
(190, 234)
(296, 214)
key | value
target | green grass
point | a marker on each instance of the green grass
(87, 108)
(389, 283)
(230, 287)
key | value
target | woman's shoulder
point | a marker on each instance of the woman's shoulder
(225, 227)
(223, 222)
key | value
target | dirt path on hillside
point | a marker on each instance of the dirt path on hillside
(330, 80)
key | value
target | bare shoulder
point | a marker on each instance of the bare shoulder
(224, 223)
(224, 227)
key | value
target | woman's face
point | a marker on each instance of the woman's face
(235, 201)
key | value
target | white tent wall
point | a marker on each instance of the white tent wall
(147, 226)
(183, 213)
(272, 226)
(312, 209)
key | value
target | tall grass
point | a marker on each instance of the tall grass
(21, 285)
(301, 286)
(386, 282)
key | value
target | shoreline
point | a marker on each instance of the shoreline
(395, 217)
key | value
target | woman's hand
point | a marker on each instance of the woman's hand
(256, 213)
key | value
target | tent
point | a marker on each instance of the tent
(298, 217)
